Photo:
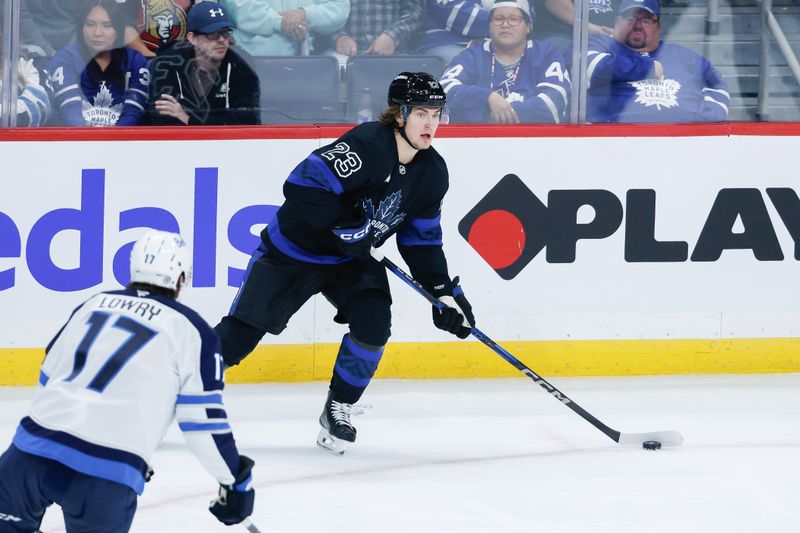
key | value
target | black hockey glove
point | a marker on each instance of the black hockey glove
(355, 239)
(235, 502)
(457, 317)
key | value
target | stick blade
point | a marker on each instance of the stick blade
(666, 438)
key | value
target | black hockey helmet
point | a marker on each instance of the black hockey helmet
(416, 89)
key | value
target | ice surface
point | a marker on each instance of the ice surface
(497, 456)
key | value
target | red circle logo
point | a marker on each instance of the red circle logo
(498, 237)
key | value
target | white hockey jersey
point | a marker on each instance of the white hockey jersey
(120, 370)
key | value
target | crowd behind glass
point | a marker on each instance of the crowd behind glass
(181, 62)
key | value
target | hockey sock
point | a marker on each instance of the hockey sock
(355, 365)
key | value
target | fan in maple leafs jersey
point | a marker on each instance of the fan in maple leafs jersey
(636, 77)
(377, 180)
(96, 81)
(508, 78)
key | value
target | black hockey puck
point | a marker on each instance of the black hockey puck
(651, 445)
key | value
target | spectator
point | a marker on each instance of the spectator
(557, 17)
(508, 78)
(33, 104)
(203, 81)
(48, 25)
(284, 27)
(636, 77)
(96, 80)
(451, 24)
(380, 27)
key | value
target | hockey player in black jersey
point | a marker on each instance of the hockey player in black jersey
(379, 179)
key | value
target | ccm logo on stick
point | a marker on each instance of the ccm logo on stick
(511, 225)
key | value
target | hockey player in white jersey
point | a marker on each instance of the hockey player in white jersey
(123, 367)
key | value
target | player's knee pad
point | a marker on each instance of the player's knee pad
(370, 318)
(237, 339)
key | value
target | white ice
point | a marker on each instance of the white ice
(497, 456)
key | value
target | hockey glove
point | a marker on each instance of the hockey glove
(355, 239)
(235, 502)
(457, 317)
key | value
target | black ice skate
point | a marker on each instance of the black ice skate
(337, 430)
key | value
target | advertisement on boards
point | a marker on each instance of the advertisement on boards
(554, 239)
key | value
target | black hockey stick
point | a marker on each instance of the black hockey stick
(666, 438)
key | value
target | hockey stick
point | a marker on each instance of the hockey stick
(666, 438)
(251, 527)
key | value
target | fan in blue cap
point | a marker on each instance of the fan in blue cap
(206, 18)
(204, 81)
(634, 76)
(652, 6)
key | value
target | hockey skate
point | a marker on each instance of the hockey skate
(337, 431)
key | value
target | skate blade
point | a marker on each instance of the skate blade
(331, 444)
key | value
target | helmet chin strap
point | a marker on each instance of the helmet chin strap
(402, 132)
(402, 129)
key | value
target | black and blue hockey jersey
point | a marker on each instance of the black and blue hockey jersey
(361, 172)
(538, 88)
(622, 87)
(89, 96)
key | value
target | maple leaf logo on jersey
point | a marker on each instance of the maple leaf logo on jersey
(386, 217)
(659, 93)
(102, 112)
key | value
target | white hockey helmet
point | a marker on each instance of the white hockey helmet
(159, 258)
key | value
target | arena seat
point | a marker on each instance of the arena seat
(368, 79)
(299, 90)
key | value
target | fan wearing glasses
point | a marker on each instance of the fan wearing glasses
(203, 81)
(636, 77)
(508, 78)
